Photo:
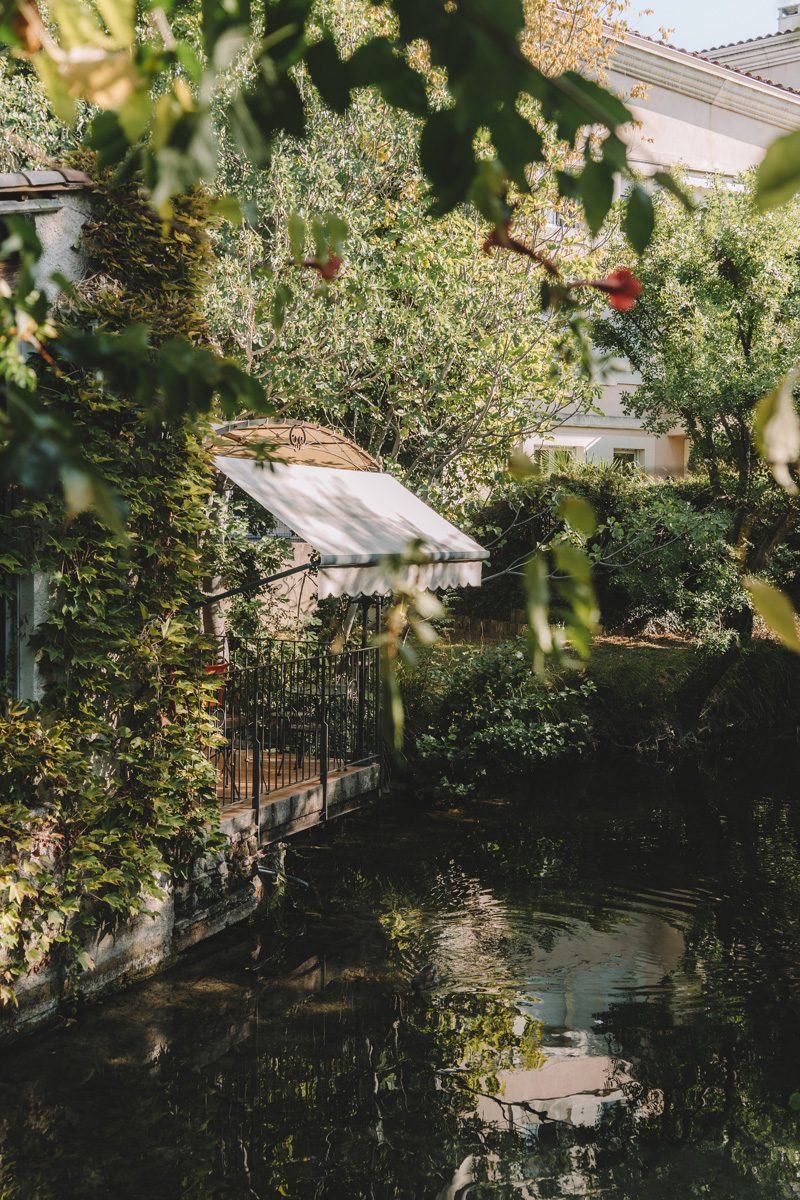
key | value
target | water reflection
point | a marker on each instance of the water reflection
(614, 1014)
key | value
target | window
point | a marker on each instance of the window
(23, 606)
(8, 635)
(9, 266)
(628, 457)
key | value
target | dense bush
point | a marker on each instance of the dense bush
(479, 719)
(665, 553)
(483, 717)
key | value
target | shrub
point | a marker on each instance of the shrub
(477, 718)
(662, 553)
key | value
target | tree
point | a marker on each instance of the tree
(426, 350)
(460, 71)
(717, 327)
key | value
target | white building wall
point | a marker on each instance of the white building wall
(775, 57)
(60, 234)
(706, 118)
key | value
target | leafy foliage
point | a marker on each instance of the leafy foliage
(249, 551)
(779, 173)
(482, 718)
(660, 551)
(426, 350)
(475, 98)
(117, 788)
(717, 325)
(717, 330)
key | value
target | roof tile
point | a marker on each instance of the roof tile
(705, 56)
(763, 37)
(56, 180)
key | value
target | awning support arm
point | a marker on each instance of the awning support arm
(257, 585)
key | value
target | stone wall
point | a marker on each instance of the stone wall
(224, 888)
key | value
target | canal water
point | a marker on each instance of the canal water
(589, 990)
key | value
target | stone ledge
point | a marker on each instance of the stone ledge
(302, 807)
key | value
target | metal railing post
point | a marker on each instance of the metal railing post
(362, 681)
(256, 775)
(290, 718)
(323, 738)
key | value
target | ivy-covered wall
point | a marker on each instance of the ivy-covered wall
(105, 789)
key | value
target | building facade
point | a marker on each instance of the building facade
(709, 113)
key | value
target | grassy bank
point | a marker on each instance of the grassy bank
(478, 717)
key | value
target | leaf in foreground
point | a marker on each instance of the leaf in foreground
(776, 611)
(777, 430)
(778, 177)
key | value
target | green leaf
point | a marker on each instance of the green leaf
(670, 184)
(615, 152)
(573, 562)
(579, 515)
(597, 193)
(319, 232)
(520, 466)
(517, 143)
(186, 56)
(22, 237)
(84, 490)
(568, 185)
(775, 610)
(135, 114)
(489, 190)
(507, 16)
(639, 219)
(270, 105)
(777, 431)
(537, 596)
(278, 307)
(218, 17)
(56, 90)
(120, 19)
(377, 64)
(188, 158)
(287, 19)
(337, 231)
(108, 138)
(600, 105)
(778, 177)
(447, 159)
(573, 102)
(228, 208)
(296, 229)
(65, 286)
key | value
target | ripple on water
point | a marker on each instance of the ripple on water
(616, 1030)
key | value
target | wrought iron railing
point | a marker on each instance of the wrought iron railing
(287, 716)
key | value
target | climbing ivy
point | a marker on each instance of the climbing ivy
(105, 788)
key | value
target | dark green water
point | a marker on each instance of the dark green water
(616, 1014)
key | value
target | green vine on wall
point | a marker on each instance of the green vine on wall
(105, 788)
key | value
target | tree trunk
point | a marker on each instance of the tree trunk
(213, 622)
(696, 691)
